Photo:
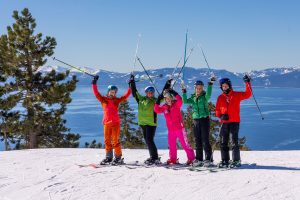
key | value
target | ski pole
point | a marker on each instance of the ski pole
(215, 144)
(183, 66)
(172, 76)
(136, 51)
(208, 67)
(185, 46)
(77, 68)
(148, 75)
(262, 118)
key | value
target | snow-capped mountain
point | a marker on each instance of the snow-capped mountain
(271, 77)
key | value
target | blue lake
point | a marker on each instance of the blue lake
(279, 130)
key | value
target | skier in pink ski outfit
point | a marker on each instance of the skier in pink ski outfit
(172, 113)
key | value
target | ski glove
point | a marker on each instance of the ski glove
(224, 117)
(212, 80)
(131, 80)
(173, 92)
(246, 78)
(168, 84)
(159, 98)
(94, 82)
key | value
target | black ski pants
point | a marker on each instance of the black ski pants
(228, 129)
(201, 133)
(149, 133)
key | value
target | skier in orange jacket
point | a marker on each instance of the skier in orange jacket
(111, 121)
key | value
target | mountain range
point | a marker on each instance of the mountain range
(271, 77)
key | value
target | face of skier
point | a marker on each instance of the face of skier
(198, 89)
(112, 93)
(168, 100)
(150, 94)
(225, 88)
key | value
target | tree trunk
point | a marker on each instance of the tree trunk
(33, 140)
(5, 141)
(33, 143)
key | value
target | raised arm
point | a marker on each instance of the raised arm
(125, 96)
(95, 90)
(208, 91)
(132, 86)
(247, 93)
(157, 108)
(177, 96)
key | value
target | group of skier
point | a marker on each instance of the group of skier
(227, 109)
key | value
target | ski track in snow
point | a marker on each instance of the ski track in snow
(52, 174)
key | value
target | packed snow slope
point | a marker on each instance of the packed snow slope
(52, 174)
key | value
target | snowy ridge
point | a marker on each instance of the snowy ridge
(53, 174)
(272, 77)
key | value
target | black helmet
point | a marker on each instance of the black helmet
(198, 83)
(225, 80)
(112, 87)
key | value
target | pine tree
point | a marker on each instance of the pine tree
(9, 120)
(93, 145)
(130, 136)
(43, 97)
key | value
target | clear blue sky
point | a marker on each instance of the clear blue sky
(236, 35)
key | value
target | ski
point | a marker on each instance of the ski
(214, 168)
(94, 165)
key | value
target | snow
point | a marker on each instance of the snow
(53, 174)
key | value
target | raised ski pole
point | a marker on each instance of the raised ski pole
(172, 76)
(77, 68)
(185, 46)
(148, 75)
(208, 67)
(262, 117)
(183, 66)
(136, 52)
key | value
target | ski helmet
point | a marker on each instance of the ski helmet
(198, 83)
(226, 81)
(149, 89)
(112, 87)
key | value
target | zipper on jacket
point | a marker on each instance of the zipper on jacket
(198, 106)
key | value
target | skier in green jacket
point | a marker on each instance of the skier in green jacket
(147, 118)
(201, 121)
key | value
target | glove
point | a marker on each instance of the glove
(131, 79)
(168, 84)
(246, 78)
(224, 117)
(159, 98)
(95, 79)
(212, 80)
(173, 92)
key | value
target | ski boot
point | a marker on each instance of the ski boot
(223, 164)
(235, 164)
(106, 161)
(207, 163)
(157, 161)
(189, 162)
(117, 161)
(151, 161)
(197, 163)
(172, 162)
